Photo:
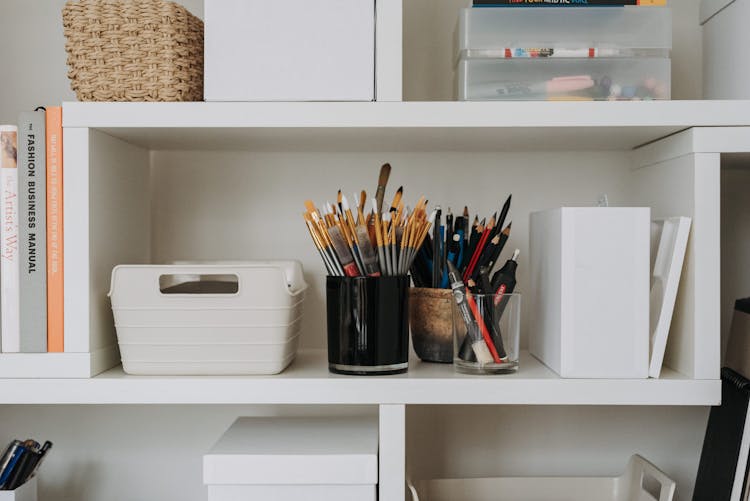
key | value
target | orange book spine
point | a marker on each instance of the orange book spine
(55, 285)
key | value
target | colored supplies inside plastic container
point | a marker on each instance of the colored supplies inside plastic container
(563, 54)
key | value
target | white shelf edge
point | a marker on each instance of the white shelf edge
(307, 381)
(58, 366)
(532, 114)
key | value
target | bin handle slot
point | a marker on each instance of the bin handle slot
(184, 283)
(653, 481)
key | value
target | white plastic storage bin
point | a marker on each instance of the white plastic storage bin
(590, 270)
(206, 319)
(291, 50)
(642, 481)
(289, 459)
(538, 54)
(725, 71)
(27, 492)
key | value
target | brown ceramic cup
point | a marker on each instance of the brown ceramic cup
(431, 324)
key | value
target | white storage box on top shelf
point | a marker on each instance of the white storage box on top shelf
(291, 459)
(725, 71)
(590, 291)
(291, 50)
(548, 53)
(184, 319)
(642, 481)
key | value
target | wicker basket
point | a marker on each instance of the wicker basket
(133, 50)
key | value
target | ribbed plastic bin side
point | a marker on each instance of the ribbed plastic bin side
(204, 319)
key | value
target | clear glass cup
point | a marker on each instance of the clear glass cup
(486, 332)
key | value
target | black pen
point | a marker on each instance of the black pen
(448, 229)
(436, 252)
(492, 316)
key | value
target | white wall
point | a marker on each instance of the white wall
(236, 210)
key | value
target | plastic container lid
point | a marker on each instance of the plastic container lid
(592, 27)
(295, 451)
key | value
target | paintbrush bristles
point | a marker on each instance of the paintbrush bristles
(345, 245)
(397, 198)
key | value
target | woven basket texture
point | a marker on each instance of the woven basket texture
(133, 50)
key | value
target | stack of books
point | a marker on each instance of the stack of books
(31, 212)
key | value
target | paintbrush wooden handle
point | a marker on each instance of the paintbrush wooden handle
(379, 196)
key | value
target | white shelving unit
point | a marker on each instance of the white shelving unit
(119, 157)
(154, 182)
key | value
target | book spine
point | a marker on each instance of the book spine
(55, 288)
(569, 3)
(9, 266)
(33, 231)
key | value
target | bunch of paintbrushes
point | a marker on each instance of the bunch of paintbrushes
(473, 249)
(364, 241)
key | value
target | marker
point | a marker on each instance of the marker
(481, 343)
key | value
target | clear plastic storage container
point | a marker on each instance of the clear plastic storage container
(590, 53)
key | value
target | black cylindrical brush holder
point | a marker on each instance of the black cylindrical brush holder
(368, 325)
